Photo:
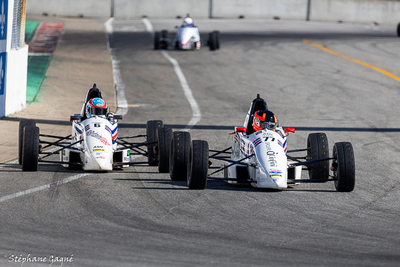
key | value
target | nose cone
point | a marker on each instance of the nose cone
(103, 161)
(274, 179)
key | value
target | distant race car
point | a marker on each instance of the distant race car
(186, 38)
(261, 158)
(94, 144)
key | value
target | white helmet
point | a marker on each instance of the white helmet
(187, 22)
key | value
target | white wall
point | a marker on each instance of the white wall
(285, 9)
(381, 11)
(75, 8)
(161, 9)
(356, 11)
(16, 76)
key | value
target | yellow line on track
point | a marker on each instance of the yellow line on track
(351, 59)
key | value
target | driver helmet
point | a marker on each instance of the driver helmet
(264, 119)
(187, 22)
(96, 107)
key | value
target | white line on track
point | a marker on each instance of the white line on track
(32, 190)
(186, 89)
(122, 104)
(196, 114)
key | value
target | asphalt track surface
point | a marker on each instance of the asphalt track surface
(139, 217)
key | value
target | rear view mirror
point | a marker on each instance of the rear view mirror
(240, 129)
(74, 118)
(118, 117)
(290, 130)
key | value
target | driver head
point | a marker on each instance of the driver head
(96, 107)
(264, 119)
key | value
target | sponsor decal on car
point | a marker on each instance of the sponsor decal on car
(108, 129)
(78, 130)
(104, 141)
(257, 141)
(275, 173)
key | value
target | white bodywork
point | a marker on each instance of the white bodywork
(188, 38)
(267, 163)
(98, 145)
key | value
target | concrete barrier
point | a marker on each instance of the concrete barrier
(16, 77)
(125, 9)
(74, 8)
(285, 9)
(380, 11)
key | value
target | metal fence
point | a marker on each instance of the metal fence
(18, 26)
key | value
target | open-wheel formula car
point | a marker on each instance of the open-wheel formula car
(187, 37)
(94, 144)
(259, 156)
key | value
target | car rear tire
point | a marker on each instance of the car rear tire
(151, 132)
(164, 36)
(398, 30)
(179, 155)
(22, 124)
(344, 165)
(30, 148)
(198, 165)
(157, 39)
(163, 142)
(212, 42)
(216, 39)
(318, 148)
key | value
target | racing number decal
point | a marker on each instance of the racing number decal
(272, 140)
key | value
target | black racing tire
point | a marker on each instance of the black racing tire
(157, 37)
(318, 148)
(164, 42)
(398, 30)
(163, 143)
(212, 42)
(30, 148)
(164, 34)
(22, 124)
(151, 132)
(217, 39)
(198, 165)
(179, 155)
(344, 167)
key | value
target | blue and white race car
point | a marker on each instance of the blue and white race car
(94, 144)
(260, 156)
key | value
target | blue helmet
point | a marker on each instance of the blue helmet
(96, 107)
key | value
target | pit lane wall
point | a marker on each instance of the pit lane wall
(13, 57)
(381, 11)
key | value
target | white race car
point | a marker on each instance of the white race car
(186, 38)
(261, 158)
(94, 144)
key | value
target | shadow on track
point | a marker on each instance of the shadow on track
(122, 125)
